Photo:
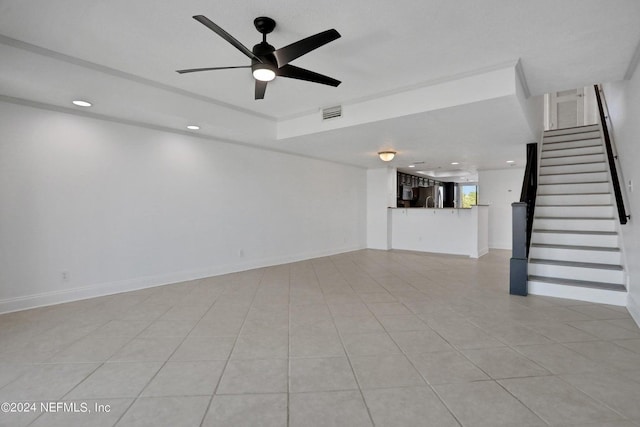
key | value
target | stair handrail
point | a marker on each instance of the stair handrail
(611, 156)
(530, 188)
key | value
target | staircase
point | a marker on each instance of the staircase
(575, 245)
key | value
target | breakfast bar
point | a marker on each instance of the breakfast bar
(440, 230)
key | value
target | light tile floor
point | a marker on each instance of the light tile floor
(359, 339)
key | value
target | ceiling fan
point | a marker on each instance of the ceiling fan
(266, 61)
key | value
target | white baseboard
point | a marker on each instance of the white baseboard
(600, 296)
(481, 252)
(501, 246)
(633, 306)
(60, 296)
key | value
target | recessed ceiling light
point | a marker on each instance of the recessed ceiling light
(81, 103)
(511, 161)
(412, 166)
(455, 163)
(193, 127)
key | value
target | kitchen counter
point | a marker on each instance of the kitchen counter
(458, 231)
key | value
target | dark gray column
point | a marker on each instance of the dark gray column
(518, 263)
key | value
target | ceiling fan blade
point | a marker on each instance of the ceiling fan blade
(228, 37)
(261, 87)
(195, 70)
(286, 54)
(294, 72)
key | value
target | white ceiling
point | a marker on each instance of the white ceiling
(122, 55)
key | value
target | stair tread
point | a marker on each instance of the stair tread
(572, 148)
(569, 173)
(575, 247)
(572, 127)
(571, 156)
(566, 140)
(571, 164)
(576, 264)
(574, 183)
(600, 233)
(578, 129)
(574, 206)
(570, 194)
(588, 218)
(579, 283)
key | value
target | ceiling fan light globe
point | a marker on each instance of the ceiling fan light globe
(264, 74)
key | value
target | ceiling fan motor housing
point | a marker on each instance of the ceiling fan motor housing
(264, 51)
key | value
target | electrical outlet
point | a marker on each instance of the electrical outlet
(64, 276)
(630, 186)
(241, 252)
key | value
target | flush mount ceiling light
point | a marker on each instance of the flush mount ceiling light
(81, 103)
(412, 166)
(386, 156)
(455, 163)
(511, 161)
(193, 127)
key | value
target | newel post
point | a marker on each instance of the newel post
(518, 263)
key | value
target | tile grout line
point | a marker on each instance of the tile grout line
(344, 348)
(224, 368)
(101, 364)
(594, 398)
(427, 383)
(431, 386)
(521, 402)
(163, 363)
(289, 350)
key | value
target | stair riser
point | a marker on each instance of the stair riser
(572, 160)
(576, 211)
(551, 151)
(570, 144)
(600, 296)
(591, 167)
(573, 199)
(576, 178)
(581, 188)
(571, 136)
(572, 131)
(606, 241)
(575, 224)
(577, 273)
(577, 255)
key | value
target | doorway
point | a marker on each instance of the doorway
(570, 108)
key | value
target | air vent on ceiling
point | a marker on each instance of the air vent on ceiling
(332, 112)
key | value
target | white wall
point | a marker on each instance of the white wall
(532, 106)
(623, 100)
(381, 194)
(121, 207)
(498, 189)
(481, 230)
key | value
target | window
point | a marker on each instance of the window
(469, 196)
